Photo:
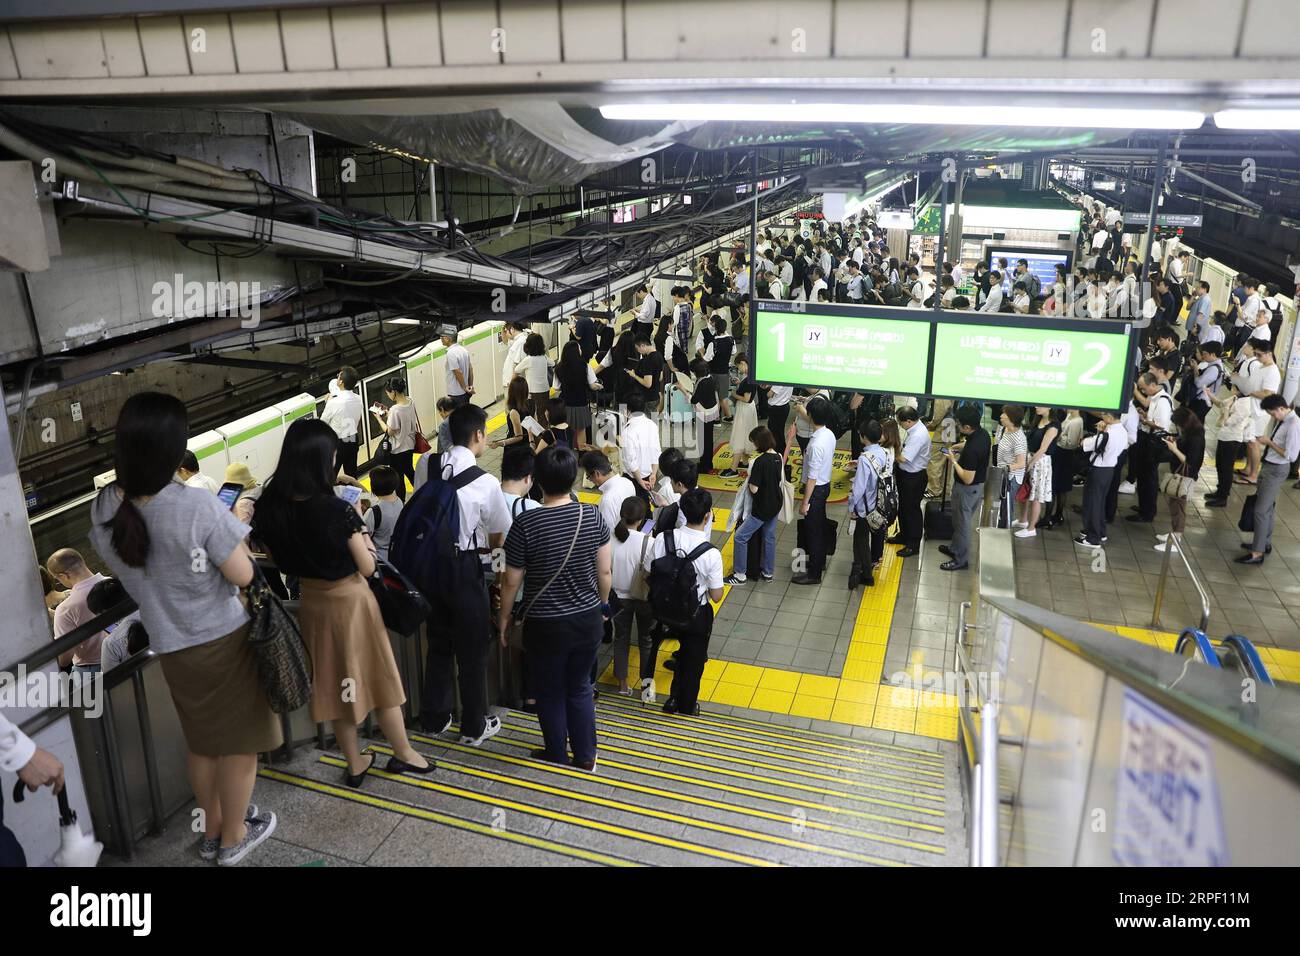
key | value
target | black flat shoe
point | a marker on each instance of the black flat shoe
(354, 780)
(1216, 502)
(395, 765)
(853, 579)
(544, 755)
(944, 549)
(907, 552)
(1246, 547)
(670, 705)
(1138, 519)
(869, 582)
(805, 579)
(1249, 559)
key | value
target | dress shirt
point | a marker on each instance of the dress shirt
(821, 456)
(916, 449)
(639, 446)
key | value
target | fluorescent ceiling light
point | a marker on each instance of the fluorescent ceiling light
(937, 114)
(1257, 119)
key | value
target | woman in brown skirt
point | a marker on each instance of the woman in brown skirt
(312, 533)
(181, 555)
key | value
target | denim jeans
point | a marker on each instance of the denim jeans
(740, 544)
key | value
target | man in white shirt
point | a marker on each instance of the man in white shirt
(775, 288)
(1156, 408)
(818, 284)
(644, 322)
(461, 628)
(993, 301)
(459, 369)
(515, 339)
(823, 262)
(189, 473)
(639, 447)
(786, 271)
(956, 272)
(1283, 447)
(740, 280)
(1105, 452)
(614, 489)
(693, 654)
(343, 413)
(1259, 378)
(816, 489)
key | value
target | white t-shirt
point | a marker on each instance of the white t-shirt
(514, 355)
(534, 370)
(457, 358)
(626, 558)
(708, 566)
(343, 412)
(482, 505)
(203, 481)
(613, 493)
(639, 446)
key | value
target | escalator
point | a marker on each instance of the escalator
(1234, 653)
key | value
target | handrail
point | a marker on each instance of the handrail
(1265, 747)
(48, 652)
(1172, 547)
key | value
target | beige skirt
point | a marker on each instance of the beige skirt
(353, 668)
(219, 698)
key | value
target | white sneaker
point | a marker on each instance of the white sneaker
(1161, 548)
(1027, 533)
(491, 727)
(1127, 488)
(1020, 524)
(1162, 537)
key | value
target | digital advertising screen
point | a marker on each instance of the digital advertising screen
(854, 348)
(1070, 363)
(1042, 263)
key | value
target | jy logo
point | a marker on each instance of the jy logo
(814, 336)
(1056, 353)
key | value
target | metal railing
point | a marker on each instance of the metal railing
(1173, 547)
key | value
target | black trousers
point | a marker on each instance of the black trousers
(459, 633)
(1112, 493)
(348, 457)
(1225, 458)
(706, 453)
(911, 493)
(1096, 491)
(777, 417)
(868, 547)
(1147, 464)
(639, 490)
(815, 530)
(692, 655)
(403, 463)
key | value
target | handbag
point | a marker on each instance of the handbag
(515, 636)
(1023, 492)
(1176, 484)
(400, 602)
(422, 445)
(283, 664)
(640, 588)
(1246, 522)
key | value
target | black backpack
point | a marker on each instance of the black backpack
(424, 543)
(674, 591)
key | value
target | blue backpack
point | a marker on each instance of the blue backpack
(424, 543)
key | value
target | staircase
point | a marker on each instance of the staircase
(669, 791)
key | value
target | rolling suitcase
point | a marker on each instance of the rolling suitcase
(938, 514)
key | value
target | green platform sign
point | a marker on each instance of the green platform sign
(1083, 368)
(842, 348)
(999, 358)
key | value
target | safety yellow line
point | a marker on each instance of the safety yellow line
(561, 817)
(647, 717)
(433, 816)
(754, 751)
(762, 728)
(720, 771)
(712, 785)
(617, 784)
(793, 771)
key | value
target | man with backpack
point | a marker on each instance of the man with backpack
(437, 542)
(970, 469)
(685, 574)
(873, 505)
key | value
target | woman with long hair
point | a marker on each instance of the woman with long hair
(518, 405)
(1188, 451)
(182, 557)
(628, 555)
(1044, 425)
(558, 431)
(311, 532)
(576, 379)
(891, 441)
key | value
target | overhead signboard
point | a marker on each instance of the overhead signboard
(1032, 360)
(1185, 220)
(895, 220)
(841, 347)
(997, 357)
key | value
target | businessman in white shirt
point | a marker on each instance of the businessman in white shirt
(816, 489)
(993, 301)
(343, 413)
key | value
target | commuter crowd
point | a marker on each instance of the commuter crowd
(518, 559)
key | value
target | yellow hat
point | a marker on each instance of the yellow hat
(238, 472)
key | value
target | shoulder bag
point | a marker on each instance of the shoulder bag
(283, 663)
(400, 602)
(640, 589)
(422, 445)
(515, 637)
(1176, 484)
